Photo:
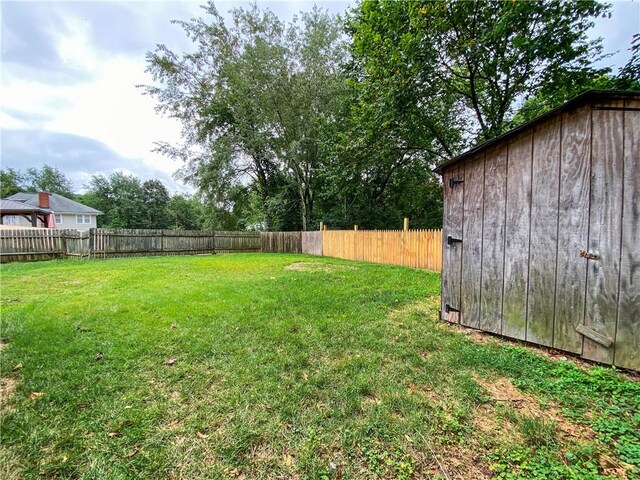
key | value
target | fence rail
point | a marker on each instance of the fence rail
(409, 248)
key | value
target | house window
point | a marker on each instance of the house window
(81, 219)
(58, 218)
(10, 220)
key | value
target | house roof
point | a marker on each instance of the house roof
(57, 203)
(11, 206)
(583, 98)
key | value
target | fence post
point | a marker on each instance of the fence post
(63, 243)
(406, 224)
(321, 226)
(91, 239)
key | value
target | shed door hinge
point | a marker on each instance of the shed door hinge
(453, 182)
(451, 240)
(448, 308)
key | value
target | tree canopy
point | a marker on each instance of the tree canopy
(287, 124)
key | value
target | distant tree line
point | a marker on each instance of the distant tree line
(342, 120)
(125, 200)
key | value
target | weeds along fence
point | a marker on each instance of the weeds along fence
(409, 248)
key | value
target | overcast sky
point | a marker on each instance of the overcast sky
(69, 71)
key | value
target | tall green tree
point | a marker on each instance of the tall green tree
(254, 100)
(120, 197)
(11, 182)
(48, 179)
(484, 58)
(155, 199)
(185, 213)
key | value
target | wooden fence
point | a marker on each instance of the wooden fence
(409, 248)
(281, 242)
(45, 244)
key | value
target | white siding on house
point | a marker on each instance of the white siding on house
(68, 221)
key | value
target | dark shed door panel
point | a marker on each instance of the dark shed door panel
(452, 253)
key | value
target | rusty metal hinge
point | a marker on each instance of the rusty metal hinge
(453, 182)
(448, 308)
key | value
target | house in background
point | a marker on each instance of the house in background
(39, 209)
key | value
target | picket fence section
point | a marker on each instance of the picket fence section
(409, 248)
(20, 245)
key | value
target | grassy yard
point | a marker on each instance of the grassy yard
(284, 366)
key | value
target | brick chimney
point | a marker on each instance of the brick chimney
(43, 200)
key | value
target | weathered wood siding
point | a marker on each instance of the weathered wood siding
(627, 339)
(281, 242)
(454, 184)
(549, 220)
(312, 242)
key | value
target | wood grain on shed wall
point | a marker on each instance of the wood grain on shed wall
(627, 350)
(573, 229)
(452, 254)
(516, 245)
(605, 218)
(566, 187)
(544, 232)
(495, 197)
(472, 242)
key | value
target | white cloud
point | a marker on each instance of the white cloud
(109, 108)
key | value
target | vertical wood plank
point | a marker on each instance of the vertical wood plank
(544, 232)
(452, 254)
(605, 227)
(573, 228)
(472, 243)
(495, 191)
(627, 340)
(517, 230)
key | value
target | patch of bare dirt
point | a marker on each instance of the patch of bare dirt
(3, 344)
(7, 390)
(502, 390)
(317, 267)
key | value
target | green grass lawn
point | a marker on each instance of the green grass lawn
(235, 366)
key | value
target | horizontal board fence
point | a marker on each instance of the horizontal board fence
(408, 248)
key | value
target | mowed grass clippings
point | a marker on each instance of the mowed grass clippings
(283, 366)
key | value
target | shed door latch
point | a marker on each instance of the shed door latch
(453, 182)
(589, 255)
(451, 240)
(448, 308)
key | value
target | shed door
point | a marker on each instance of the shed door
(452, 245)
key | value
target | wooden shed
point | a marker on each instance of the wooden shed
(542, 231)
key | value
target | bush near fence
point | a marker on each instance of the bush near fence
(409, 248)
